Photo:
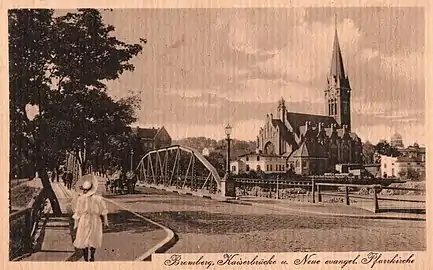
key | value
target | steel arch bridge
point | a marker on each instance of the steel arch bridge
(180, 168)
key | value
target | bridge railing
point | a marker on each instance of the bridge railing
(335, 192)
(23, 226)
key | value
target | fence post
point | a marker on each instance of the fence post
(27, 229)
(313, 190)
(319, 196)
(270, 189)
(376, 202)
(277, 187)
(347, 195)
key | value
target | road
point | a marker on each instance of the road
(205, 225)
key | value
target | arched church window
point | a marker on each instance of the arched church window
(269, 148)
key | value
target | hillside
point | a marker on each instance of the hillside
(238, 147)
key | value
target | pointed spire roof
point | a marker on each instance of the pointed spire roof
(337, 67)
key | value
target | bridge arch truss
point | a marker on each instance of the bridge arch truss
(179, 167)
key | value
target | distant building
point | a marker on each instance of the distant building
(395, 166)
(259, 163)
(414, 151)
(397, 141)
(206, 151)
(153, 138)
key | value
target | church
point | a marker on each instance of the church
(314, 144)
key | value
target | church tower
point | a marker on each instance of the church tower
(337, 93)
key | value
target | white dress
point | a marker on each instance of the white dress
(88, 215)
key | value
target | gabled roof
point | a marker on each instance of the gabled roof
(297, 120)
(310, 150)
(285, 133)
(146, 133)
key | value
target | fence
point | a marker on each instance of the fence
(24, 225)
(317, 190)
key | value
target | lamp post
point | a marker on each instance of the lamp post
(227, 184)
(132, 154)
(228, 131)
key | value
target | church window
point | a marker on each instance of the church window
(247, 158)
(258, 158)
(248, 168)
(270, 167)
(258, 168)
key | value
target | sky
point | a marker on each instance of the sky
(205, 68)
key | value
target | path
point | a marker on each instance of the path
(126, 239)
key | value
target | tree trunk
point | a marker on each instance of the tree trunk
(49, 192)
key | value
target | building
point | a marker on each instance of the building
(153, 138)
(396, 166)
(259, 163)
(397, 141)
(414, 151)
(313, 144)
(206, 151)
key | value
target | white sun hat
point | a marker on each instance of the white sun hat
(89, 183)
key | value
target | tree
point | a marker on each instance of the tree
(410, 174)
(368, 150)
(29, 55)
(384, 148)
(62, 64)
(85, 56)
(218, 160)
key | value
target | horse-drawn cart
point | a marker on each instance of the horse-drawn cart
(120, 183)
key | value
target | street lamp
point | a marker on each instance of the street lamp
(228, 131)
(132, 154)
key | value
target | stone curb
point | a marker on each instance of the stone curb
(162, 245)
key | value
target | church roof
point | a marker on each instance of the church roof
(285, 133)
(340, 133)
(297, 120)
(310, 150)
(337, 67)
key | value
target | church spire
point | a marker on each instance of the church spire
(337, 67)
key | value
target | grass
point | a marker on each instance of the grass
(21, 195)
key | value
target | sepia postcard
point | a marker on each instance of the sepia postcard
(216, 134)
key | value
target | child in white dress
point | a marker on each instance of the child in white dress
(90, 209)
